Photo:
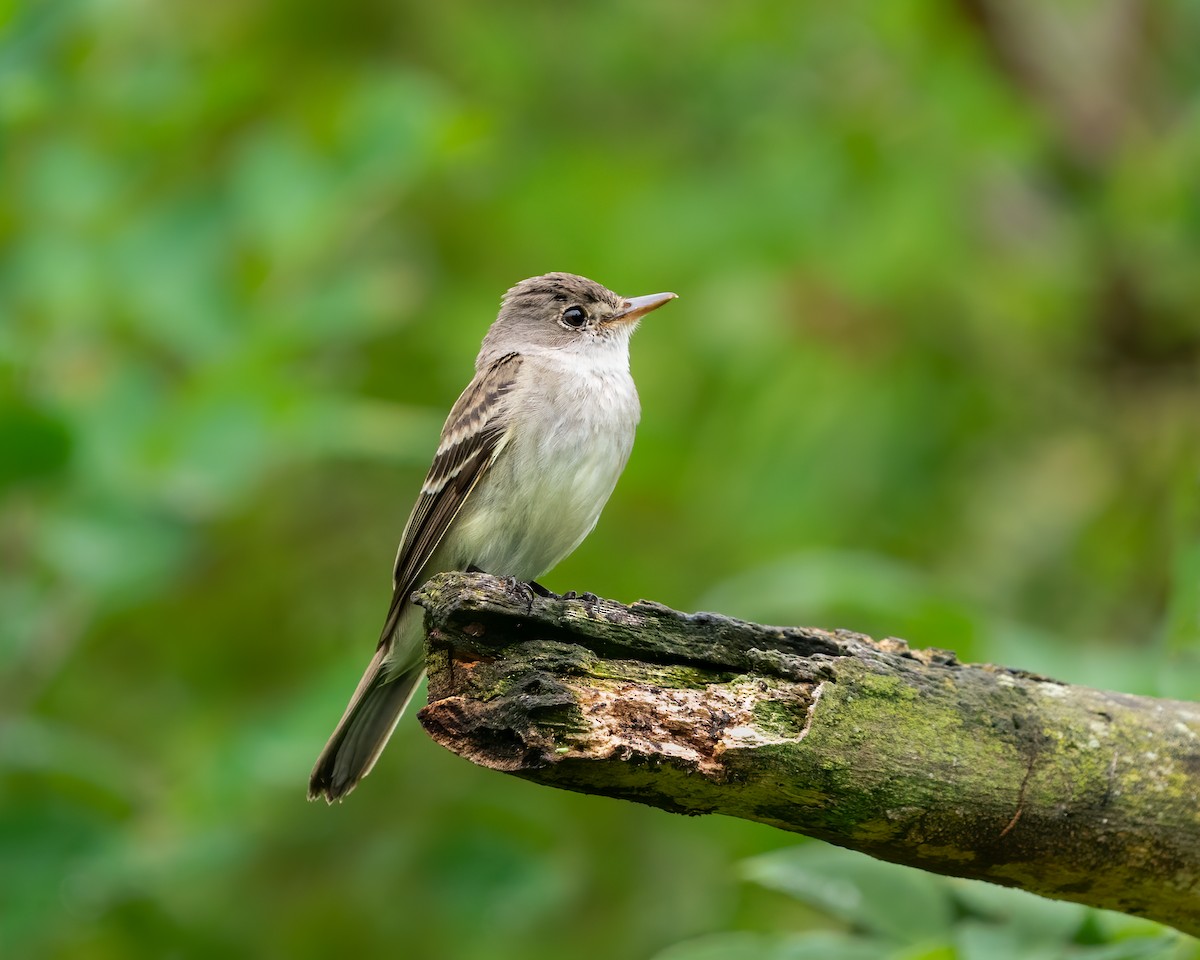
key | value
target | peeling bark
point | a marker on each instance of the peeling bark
(907, 755)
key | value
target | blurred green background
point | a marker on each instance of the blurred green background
(933, 374)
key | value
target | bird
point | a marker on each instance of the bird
(527, 459)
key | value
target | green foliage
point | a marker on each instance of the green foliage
(881, 910)
(932, 374)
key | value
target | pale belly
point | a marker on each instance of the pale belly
(541, 497)
(544, 494)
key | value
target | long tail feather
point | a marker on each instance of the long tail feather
(364, 729)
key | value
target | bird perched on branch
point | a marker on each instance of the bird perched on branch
(528, 457)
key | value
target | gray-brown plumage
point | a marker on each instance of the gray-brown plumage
(529, 455)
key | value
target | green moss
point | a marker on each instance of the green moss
(782, 719)
(672, 676)
(884, 687)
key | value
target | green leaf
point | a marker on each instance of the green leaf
(901, 903)
(34, 445)
(819, 945)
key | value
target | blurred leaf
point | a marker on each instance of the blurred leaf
(751, 946)
(1030, 918)
(900, 903)
(1145, 948)
(34, 445)
(113, 551)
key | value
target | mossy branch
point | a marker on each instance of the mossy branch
(907, 755)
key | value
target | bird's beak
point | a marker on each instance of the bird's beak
(637, 307)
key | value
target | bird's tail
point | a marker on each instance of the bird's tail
(364, 729)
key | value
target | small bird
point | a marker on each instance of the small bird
(528, 457)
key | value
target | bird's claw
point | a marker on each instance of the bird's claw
(526, 590)
(585, 597)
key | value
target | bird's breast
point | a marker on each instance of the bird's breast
(571, 437)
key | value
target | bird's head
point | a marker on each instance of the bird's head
(563, 311)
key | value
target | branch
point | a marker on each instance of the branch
(907, 755)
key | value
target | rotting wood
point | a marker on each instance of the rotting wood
(907, 755)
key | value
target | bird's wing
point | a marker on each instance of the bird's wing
(473, 437)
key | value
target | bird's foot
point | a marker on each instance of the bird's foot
(528, 590)
(590, 601)
(510, 582)
(588, 598)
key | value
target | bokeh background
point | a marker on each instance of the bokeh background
(933, 374)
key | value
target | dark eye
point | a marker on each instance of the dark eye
(574, 316)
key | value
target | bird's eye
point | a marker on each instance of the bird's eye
(574, 316)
